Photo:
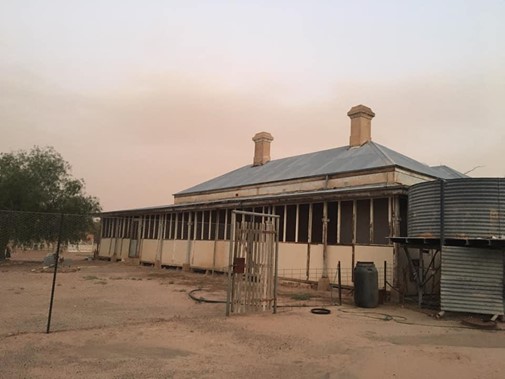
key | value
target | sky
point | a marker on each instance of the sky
(147, 98)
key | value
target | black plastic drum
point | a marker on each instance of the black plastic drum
(366, 285)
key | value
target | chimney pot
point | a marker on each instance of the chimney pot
(361, 125)
(262, 148)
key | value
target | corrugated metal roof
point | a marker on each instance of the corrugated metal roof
(327, 162)
(446, 172)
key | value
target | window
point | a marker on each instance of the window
(332, 224)
(363, 221)
(403, 216)
(180, 223)
(198, 225)
(186, 218)
(290, 223)
(173, 226)
(168, 225)
(213, 225)
(206, 225)
(279, 210)
(381, 221)
(156, 227)
(317, 223)
(346, 222)
(145, 227)
(227, 226)
(221, 225)
(303, 223)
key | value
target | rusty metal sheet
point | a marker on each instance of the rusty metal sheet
(239, 265)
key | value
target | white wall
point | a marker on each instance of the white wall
(125, 248)
(148, 250)
(292, 260)
(202, 254)
(292, 257)
(174, 252)
(344, 255)
(104, 248)
(222, 255)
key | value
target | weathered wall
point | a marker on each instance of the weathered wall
(148, 250)
(336, 254)
(222, 255)
(377, 254)
(292, 260)
(104, 248)
(292, 257)
(174, 252)
(202, 254)
(299, 185)
(123, 254)
(409, 178)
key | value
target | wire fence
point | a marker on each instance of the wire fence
(39, 240)
(42, 287)
(314, 274)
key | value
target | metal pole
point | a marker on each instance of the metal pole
(60, 232)
(325, 239)
(189, 244)
(230, 262)
(420, 276)
(276, 262)
(339, 284)
(216, 236)
(442, 214)
(385, 276)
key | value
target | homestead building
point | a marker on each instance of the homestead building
(335, 205)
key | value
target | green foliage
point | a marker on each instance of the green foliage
(36, 188)
(39, 180)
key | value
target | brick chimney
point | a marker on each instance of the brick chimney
(361, 125)
(262, 148)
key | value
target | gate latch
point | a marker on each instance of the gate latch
(238, 265)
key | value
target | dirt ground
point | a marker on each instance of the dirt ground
(113, 320)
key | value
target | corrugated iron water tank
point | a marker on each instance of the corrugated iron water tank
(472, 208)
(424, 210)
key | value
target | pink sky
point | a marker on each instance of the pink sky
(147, 100)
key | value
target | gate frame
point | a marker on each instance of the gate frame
(232, 250)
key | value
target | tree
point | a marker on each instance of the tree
(36, 187)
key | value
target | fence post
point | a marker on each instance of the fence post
(57, 258)
(339, 284)
(385, 276)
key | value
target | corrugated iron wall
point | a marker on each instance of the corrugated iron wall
(473, 208)
(472, 280)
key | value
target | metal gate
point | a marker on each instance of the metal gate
(252, 271)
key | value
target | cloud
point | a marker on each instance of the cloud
(153, 136)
